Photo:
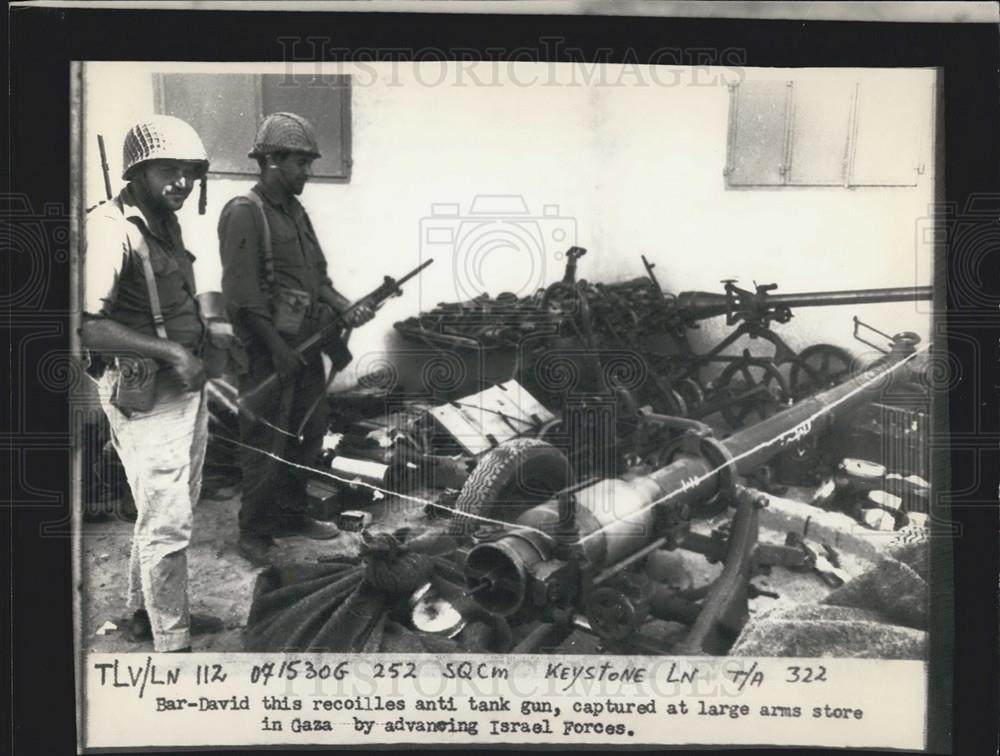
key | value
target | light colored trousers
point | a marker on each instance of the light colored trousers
(163, 452)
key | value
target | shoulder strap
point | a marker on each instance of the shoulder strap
(154, 294)
(266, 250)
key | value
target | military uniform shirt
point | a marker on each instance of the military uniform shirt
(298, 259)
(116, 285)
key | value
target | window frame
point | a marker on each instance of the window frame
(787, 140)
(341, 176)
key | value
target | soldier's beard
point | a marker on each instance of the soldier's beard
(290, 187)
(157, 202)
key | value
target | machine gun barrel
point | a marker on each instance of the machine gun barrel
(701, 305)
(613, 519)
(851, 297)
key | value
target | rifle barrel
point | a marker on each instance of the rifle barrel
(104, 166)
(414, 272)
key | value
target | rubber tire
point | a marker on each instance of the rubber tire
(494, 489)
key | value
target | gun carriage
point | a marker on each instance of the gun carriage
(554, 556)
(567, 563)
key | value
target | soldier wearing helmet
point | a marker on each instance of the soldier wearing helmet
(142, 321)
(278, 293)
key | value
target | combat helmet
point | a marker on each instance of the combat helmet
(162, 137)
(284, 132)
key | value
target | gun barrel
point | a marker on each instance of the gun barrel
(701, 305)
(849, 297)
(615, 518)
(104, 166)
(414, 272)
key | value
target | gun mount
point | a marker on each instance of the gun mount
(629, 343)
(595, 323)
(563, 562)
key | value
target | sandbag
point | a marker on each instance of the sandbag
(359, 606)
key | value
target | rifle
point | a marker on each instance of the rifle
(390, 287)
(652, 277)
(104, 170)
(104, 166)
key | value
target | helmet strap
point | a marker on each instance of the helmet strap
(203, 195)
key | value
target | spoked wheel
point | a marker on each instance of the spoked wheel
(757, 390)
(818, 367)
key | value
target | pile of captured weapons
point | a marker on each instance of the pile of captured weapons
(593, 338)
(614, 314)
(594, 330)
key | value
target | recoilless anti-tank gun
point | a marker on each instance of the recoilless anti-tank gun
(751, 387)
(565, 564)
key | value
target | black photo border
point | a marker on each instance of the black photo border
(44, 41)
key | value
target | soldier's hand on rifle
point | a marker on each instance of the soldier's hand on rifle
(287, 361)
(359, 314)
(189, 368)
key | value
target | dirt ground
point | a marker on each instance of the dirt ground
(222, 582)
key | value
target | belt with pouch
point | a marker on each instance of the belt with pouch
(135, 386)
(291, 308)
(297, 315)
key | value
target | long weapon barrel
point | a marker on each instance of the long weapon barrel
(701, 305)
(851, 297)
(616, 519)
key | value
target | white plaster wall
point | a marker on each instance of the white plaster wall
(632, 169)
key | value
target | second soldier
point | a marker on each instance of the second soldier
(278, 293)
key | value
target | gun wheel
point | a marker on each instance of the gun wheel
(818, 367)
(757, 389)
(509, 479)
